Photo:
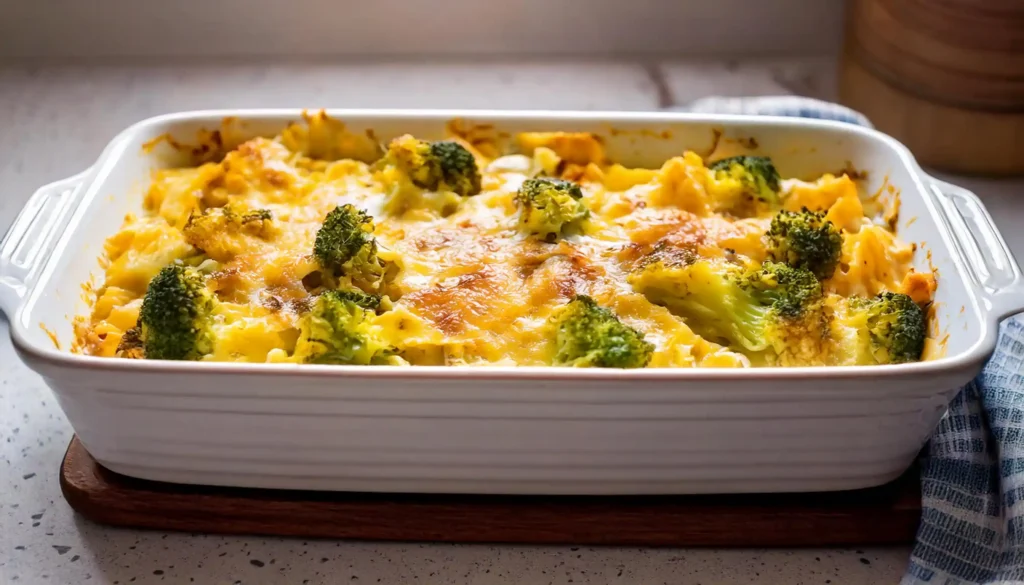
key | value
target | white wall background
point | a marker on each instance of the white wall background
(85, 29)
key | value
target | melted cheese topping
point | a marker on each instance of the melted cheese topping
(471, 288)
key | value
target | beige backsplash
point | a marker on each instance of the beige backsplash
(60, 29)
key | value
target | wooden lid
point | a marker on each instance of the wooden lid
(963, 53)
(945, 77)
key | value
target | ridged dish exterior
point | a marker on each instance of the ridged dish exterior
(494, 436)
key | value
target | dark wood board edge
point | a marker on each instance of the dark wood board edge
(885, 515)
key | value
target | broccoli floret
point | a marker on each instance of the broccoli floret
(220, 232)
(770, 308)
(547, 206)
(345, 246)
(805, 239)
(756, 174)
(359, 298)
(339, 330)
(176, 316)
(442, 165)
(346, 233)
(887, 329)
(591, 336)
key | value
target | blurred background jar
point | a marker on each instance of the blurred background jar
(945, 77)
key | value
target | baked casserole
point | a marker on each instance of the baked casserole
(315, 247)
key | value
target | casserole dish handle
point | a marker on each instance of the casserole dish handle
(988, 262)
(30, 241)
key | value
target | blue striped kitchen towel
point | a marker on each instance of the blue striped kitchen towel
(972, 472)
(782, 105)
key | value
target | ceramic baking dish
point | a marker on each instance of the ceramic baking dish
(509, 430)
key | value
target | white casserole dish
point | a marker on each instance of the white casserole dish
(509, 430)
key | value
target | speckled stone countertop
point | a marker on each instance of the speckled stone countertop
(55, 120)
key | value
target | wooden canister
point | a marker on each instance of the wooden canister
(945, 77)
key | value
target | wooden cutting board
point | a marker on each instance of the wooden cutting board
(884, 515)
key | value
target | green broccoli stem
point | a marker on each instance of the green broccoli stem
(735, 317)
